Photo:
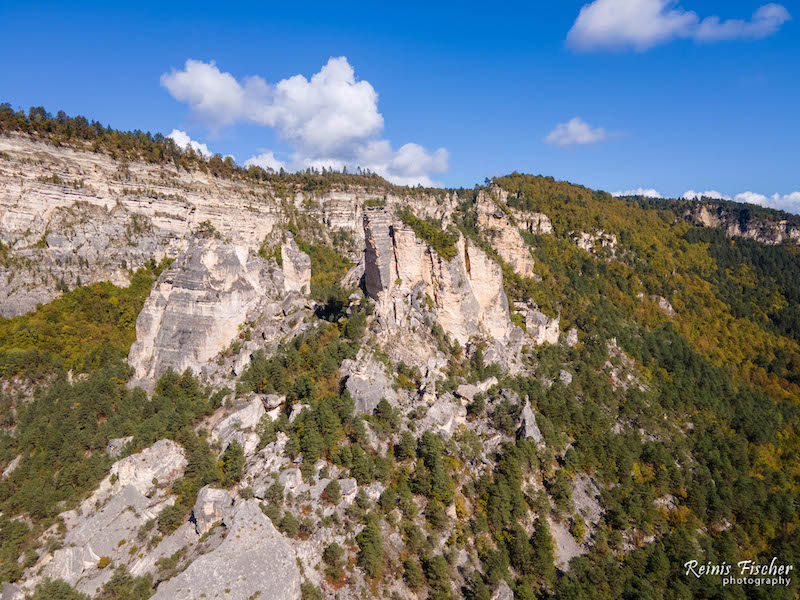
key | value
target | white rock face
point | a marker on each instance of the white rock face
(527, 427)
(211, 506)
(165, 460)
(114, 217)
(597, 242)
(664, 305)
(240, 426)
(542, 329)
(367, 381)
(105, 524)
(444, 416)
(296, 267)
(116, 445)
(771, 233)
(502, 233)
(533, 222)
(465, 293)
(254, 557)
(12, 466)
(197, 306)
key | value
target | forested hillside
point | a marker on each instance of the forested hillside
(631, 404)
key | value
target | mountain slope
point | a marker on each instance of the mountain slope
(530, 387)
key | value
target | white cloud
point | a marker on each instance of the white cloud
(788, 202)
(330, 120)
(183, 140)
(714, 194)
(646, 192)
(265, 160)
(574, 132)
(643, 24)
(766, 21)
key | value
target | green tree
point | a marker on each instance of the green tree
(370, 555)
(542, 542)
(232, 464)
(333, 492)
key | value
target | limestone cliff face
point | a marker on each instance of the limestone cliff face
(761, 230)
(70, 216)
(296, 267)
(502, 233)
(106, 217)
(196, 307)
(400, 271)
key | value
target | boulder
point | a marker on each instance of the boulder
(240, 425)
(116, 445)
(542, 329)
(290, 479)
(502, 592)
(444, 416)
(272, 401)
(163, 461)
(367, 382)
(254, 560)
(210, 507)
(565, 377)
(664, 305)
(572, 337)
(468, 391)
(527, 427)
(296, 410)
(349, 488)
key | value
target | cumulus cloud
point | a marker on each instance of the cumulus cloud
(643, 24)
(714, 194)
(183, 140)
(265, 160)
(788, 202)
(575, 132)
(646, 192)
(330, 120)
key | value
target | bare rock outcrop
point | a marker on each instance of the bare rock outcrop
(464, 293)
(163, 461)
(105, 524)
(240, 426)
(444, 416)
(197, 306)
(527, 425)
(254, 557)
(498, 226)
(541, 328)
(367, 382)
(296, 267)
(741, 224)
(211, 506)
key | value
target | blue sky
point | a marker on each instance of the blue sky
(670, 99)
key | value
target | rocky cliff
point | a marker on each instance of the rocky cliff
(403, 273)
(736, 221)
(198, 305)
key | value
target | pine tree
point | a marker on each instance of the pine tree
(542, 542)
